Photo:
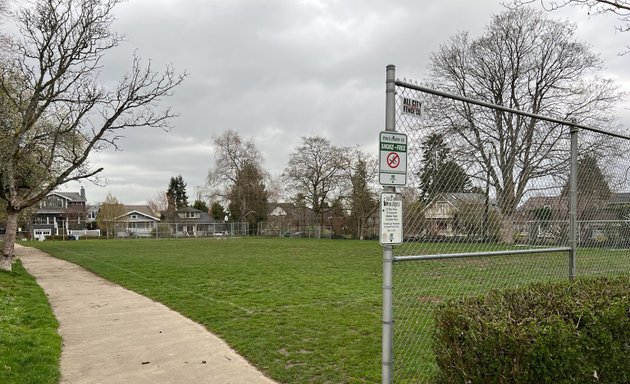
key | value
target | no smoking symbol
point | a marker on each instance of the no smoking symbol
(393, 160)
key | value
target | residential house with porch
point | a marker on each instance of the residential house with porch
(191, 222)
(546, 219)
(60, 213)
(458, 215)
(137, 221)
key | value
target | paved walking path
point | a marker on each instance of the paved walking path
(112, 335)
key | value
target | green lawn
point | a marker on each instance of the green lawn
(29, 343)
(301, 310)
(309, 311)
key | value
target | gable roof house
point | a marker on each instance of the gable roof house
(60, 213)
(191, 222)
(287, 218)
(449, 215)
(546, 218)
(137, 221)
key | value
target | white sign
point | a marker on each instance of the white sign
(392, 158)
(391, 218)
(412, 106)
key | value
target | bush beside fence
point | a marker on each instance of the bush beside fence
(544, 333)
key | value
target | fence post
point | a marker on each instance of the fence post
(388, 251)
(573, 203)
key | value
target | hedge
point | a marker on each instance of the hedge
(544, 333)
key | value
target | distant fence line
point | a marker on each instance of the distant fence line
(292, 230)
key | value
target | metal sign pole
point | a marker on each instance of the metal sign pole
(573, 203)
(388, 251)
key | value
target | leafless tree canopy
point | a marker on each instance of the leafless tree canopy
(159, 202)
(232, 153)
(314, 171)
(526, 62)
(620, 8)
(54, 110)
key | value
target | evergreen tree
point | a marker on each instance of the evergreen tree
(217, 211)
(200, 205)
(248, 196)
(363, 202)
(438, 174)
(593, 190)
(176, 193)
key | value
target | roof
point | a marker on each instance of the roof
(457, 198)
(70, 196)
(291, 210)
(620, 198)
(144, 210)
(172, 217)
(188, 209)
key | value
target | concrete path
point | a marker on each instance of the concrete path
(112, 335)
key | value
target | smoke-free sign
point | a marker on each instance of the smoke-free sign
(393, 158)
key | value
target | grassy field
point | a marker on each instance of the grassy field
(29, 344)
(301, 310)
(308, 311)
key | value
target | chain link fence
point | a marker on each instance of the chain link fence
(490, 204)
(162, 230)
(270, 229)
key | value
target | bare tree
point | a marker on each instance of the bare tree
(110, 214)
(619, 8)
(314, 171)
(275, 188)
(55, 111)
(526, 62)
(232, 152)
(159, 202)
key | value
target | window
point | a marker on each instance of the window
(134, 217)
(442, 208)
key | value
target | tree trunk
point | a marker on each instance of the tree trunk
(507, 229)
(8, 247)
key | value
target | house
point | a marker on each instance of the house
(285, 218)
(189, 221)
(92, 213)
(546, 218)
(137, 221)
(457, 215)
(60, 213)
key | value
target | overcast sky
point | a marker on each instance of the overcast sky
(277, 70)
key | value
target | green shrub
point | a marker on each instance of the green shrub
(544, 333)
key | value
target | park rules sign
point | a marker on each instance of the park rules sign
(391, 218)
(392, 159)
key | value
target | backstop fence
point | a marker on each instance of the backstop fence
(495, 198)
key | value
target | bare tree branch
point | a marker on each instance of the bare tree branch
(527, 62)
(55, 110)
(619, 8)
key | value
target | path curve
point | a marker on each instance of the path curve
(113, 335)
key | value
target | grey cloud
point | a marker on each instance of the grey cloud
(278, 70)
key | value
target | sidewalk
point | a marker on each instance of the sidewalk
(112, 335)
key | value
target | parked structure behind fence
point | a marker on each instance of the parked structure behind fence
(542, 200)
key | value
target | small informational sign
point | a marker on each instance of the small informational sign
(393, 158)
(412, 106)
(391, 218)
